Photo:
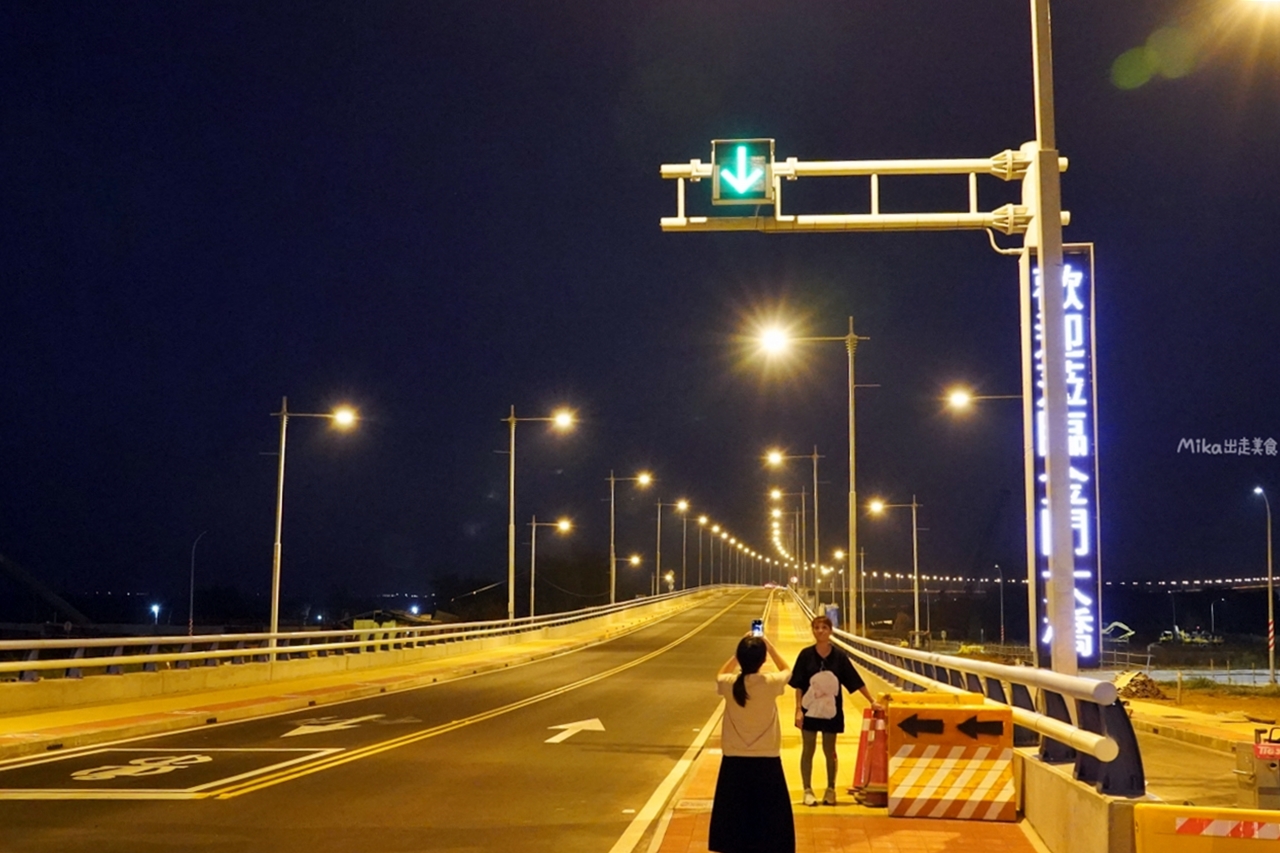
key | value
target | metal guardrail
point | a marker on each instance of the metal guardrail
(76, 658)
(1070, 719)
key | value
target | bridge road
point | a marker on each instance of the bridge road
(456, 766)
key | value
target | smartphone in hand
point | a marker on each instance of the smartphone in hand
(757, 627)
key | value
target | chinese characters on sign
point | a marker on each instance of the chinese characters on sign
(1081, 426)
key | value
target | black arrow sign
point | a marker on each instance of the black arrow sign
(973, 728)
(915, 726)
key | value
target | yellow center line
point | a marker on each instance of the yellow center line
(292, 773)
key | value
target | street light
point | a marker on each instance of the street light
(778, 494)
(680, 505)
(961, 398)
(191, 590)
(878, 507)
(777, 457)
(344, 417)
(702, 522)
(1001, 571)
(777, 340)
(563, 526)
(642, 479)
(155, 611)
(1271, 595)
(561, 420)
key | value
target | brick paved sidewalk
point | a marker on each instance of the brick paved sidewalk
(843, 828)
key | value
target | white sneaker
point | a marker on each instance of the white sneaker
(809, 798)
(829, 798)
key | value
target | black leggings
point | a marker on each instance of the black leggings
(810, 740)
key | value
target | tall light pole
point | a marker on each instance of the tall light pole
(777, 457)
(191, 589)
(776, 340)
(801, 552)
(1271, 594)
(562, 420)
(1001, 571)
(862, 572)
(683, 507)
(564, 525)
(642, 479)
(1042, 194)
(702, 523)
(878, 507)
(343, 418)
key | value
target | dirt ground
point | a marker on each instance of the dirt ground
(1265, 710)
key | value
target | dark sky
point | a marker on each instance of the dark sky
(436, 210)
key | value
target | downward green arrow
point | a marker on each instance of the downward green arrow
(742, 181)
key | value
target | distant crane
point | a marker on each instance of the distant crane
(1122, 638)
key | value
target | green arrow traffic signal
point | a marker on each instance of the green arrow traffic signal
(742, 171)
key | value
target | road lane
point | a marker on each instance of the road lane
(482, 782)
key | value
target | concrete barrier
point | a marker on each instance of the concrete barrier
(18, 697)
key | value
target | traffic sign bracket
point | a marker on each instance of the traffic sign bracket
(1008, 165)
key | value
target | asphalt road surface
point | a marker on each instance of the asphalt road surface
(475, 764)
(1180, 772)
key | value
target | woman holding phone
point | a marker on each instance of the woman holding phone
(751, 812)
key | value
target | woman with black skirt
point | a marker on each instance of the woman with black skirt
(752, 808)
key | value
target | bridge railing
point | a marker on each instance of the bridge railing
(1071, 719)
(75, 658)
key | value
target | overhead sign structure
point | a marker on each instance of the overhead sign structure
(742, 171)
(1082, 449)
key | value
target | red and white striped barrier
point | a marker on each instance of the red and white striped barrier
(1227, 828)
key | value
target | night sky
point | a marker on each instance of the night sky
(435, 210)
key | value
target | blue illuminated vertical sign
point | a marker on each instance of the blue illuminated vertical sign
(1082, 433)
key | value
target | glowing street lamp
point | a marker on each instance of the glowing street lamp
(642, 479)
(702, 522)
(777, 457)
(776, 341)
(1271, 594)
(344, 417)
(155, 611)
(564, 525)
(562, 419)
(877, 507)
(962, 398)
(680, 505)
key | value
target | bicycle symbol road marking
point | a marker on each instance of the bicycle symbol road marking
(150, 766)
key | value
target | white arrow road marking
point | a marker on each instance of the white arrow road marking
(329, 724)
(571, 729)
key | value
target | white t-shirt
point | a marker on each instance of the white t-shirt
(752, 730)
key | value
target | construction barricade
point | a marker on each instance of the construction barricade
(1160, 828)
(950, 757)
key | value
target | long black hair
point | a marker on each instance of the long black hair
(750, 654)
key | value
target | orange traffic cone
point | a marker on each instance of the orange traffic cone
(860, 769)
(874, 789)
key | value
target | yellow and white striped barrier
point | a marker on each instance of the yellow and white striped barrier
(952, 760)
(1188, 829)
